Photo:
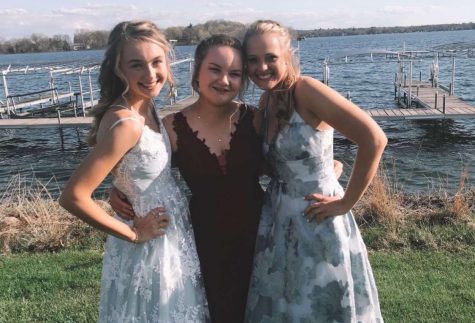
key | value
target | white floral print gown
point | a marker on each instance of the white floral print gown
(307, 272)
(159, 280)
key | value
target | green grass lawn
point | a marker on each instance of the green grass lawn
(414, 286)
(45, 287)
(426, 286)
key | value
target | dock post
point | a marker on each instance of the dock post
(5, 90)
(417, 90)
(82, 97)
(191, 73)
(420, 76)
(443, 104)
(91, 97)
(51, 87)
(435, 101)
(348, 96)
(326, 72)
(452, 81)
(409, 101)
(59, 116)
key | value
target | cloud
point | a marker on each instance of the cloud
(223, 5)
(13, 11)
(18, 22)
(400, 10)
(93, 10)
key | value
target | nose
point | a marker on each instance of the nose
(262, 66)
(150, 72)
(224, 79)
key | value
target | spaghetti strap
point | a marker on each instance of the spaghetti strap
(123, 119)
(120, 106)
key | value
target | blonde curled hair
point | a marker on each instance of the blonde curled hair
(112, 81)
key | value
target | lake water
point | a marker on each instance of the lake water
(420, 156)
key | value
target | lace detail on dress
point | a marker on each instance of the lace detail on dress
(225, 231)
(159, 280)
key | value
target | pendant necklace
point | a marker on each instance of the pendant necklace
(220, 139)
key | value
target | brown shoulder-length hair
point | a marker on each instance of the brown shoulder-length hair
(260, 27)
(112, 81)
(202, 50)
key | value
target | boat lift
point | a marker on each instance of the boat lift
(50, 99)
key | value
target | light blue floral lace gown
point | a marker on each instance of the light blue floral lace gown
(159, 280)
(307, 272)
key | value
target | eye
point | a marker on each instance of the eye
(157, 62)
(236, 74)
(271, 58)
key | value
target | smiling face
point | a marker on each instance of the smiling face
(266, 60)
(220, 75)
(144, 66)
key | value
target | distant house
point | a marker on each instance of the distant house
(80, 46)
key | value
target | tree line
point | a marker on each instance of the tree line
(36, 43)
(382, 30)
(192, 34)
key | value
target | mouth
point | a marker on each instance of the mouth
(264, 76)
(149, 85)
(221, 90)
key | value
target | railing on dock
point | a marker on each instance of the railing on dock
(74, 97)
(418, 99)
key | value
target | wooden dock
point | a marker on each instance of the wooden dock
(80, 121)
(422, 94)
(426, 103)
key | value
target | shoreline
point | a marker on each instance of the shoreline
(31, 220)
(299, 34)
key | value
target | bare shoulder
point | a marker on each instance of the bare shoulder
(121, 123)
(306, 84)
(170, 129)
(168, 120)
(312, 94)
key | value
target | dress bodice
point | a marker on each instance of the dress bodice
(144, 172)
(301, 157)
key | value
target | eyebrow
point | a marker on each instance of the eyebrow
(217, 65)
(136, 60)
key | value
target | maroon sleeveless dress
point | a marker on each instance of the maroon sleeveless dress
(225, 207)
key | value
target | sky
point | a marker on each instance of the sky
(22, 18)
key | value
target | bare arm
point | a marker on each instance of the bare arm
(120, 204)
(76, 196)
(324, 107)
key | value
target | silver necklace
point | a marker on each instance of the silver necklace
(220, 139)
